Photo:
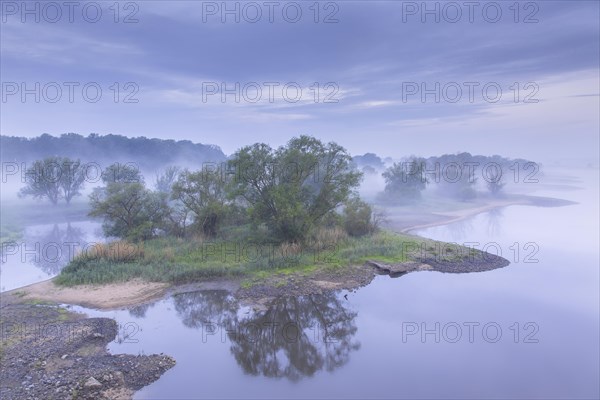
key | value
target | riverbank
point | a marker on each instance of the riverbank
(261, 285)
(257, 288)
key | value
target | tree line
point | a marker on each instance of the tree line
(454, 176)
(287, 192)
(147, 153)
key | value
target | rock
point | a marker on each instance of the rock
(64, 356)
(119, 377)
(92, 383)
(97, 335)
(395, 268)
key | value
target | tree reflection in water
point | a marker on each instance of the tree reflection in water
(294, 338)
(201, 309)
(494, 223)
(55, 247)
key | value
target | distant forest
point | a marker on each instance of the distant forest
(148, 154)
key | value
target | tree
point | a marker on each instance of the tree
(494, 181)
(204, 194)
(456, 174)
(54, 178)
(164, 182)
(370, 160)
(292, 188)
(72, 179)
(358, 217)
(405, 181)
(129, 210)
(176, 220)
(124, 173)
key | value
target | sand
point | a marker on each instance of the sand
(103, 297)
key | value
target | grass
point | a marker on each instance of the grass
(177, 260)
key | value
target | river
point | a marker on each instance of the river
(527, 330)
(44, 250)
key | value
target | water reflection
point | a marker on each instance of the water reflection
(203, 308)
(43, 251)
(57, 247)
(460, 229)
(141, 310)
(494, 226)
(294, 338)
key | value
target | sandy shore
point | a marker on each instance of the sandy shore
(104, 297)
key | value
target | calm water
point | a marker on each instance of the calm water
(528, 330)
(44, 250)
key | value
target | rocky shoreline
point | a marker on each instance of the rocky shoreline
(354, 277)
(49, 352)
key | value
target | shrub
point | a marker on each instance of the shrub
(358, 217)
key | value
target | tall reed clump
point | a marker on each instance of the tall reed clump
(103, 263)
(119, 251)
(324, 238)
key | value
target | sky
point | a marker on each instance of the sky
(391, 77)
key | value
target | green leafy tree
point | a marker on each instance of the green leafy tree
(176, 220)
(204, 194)
(358, 217)
(292, 188)
(129, 210)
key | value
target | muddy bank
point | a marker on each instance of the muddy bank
(48, 352)
(260, 292)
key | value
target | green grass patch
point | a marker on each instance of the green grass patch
(177, 260)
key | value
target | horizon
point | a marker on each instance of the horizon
(553, 161)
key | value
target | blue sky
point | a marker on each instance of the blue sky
(371, 58)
